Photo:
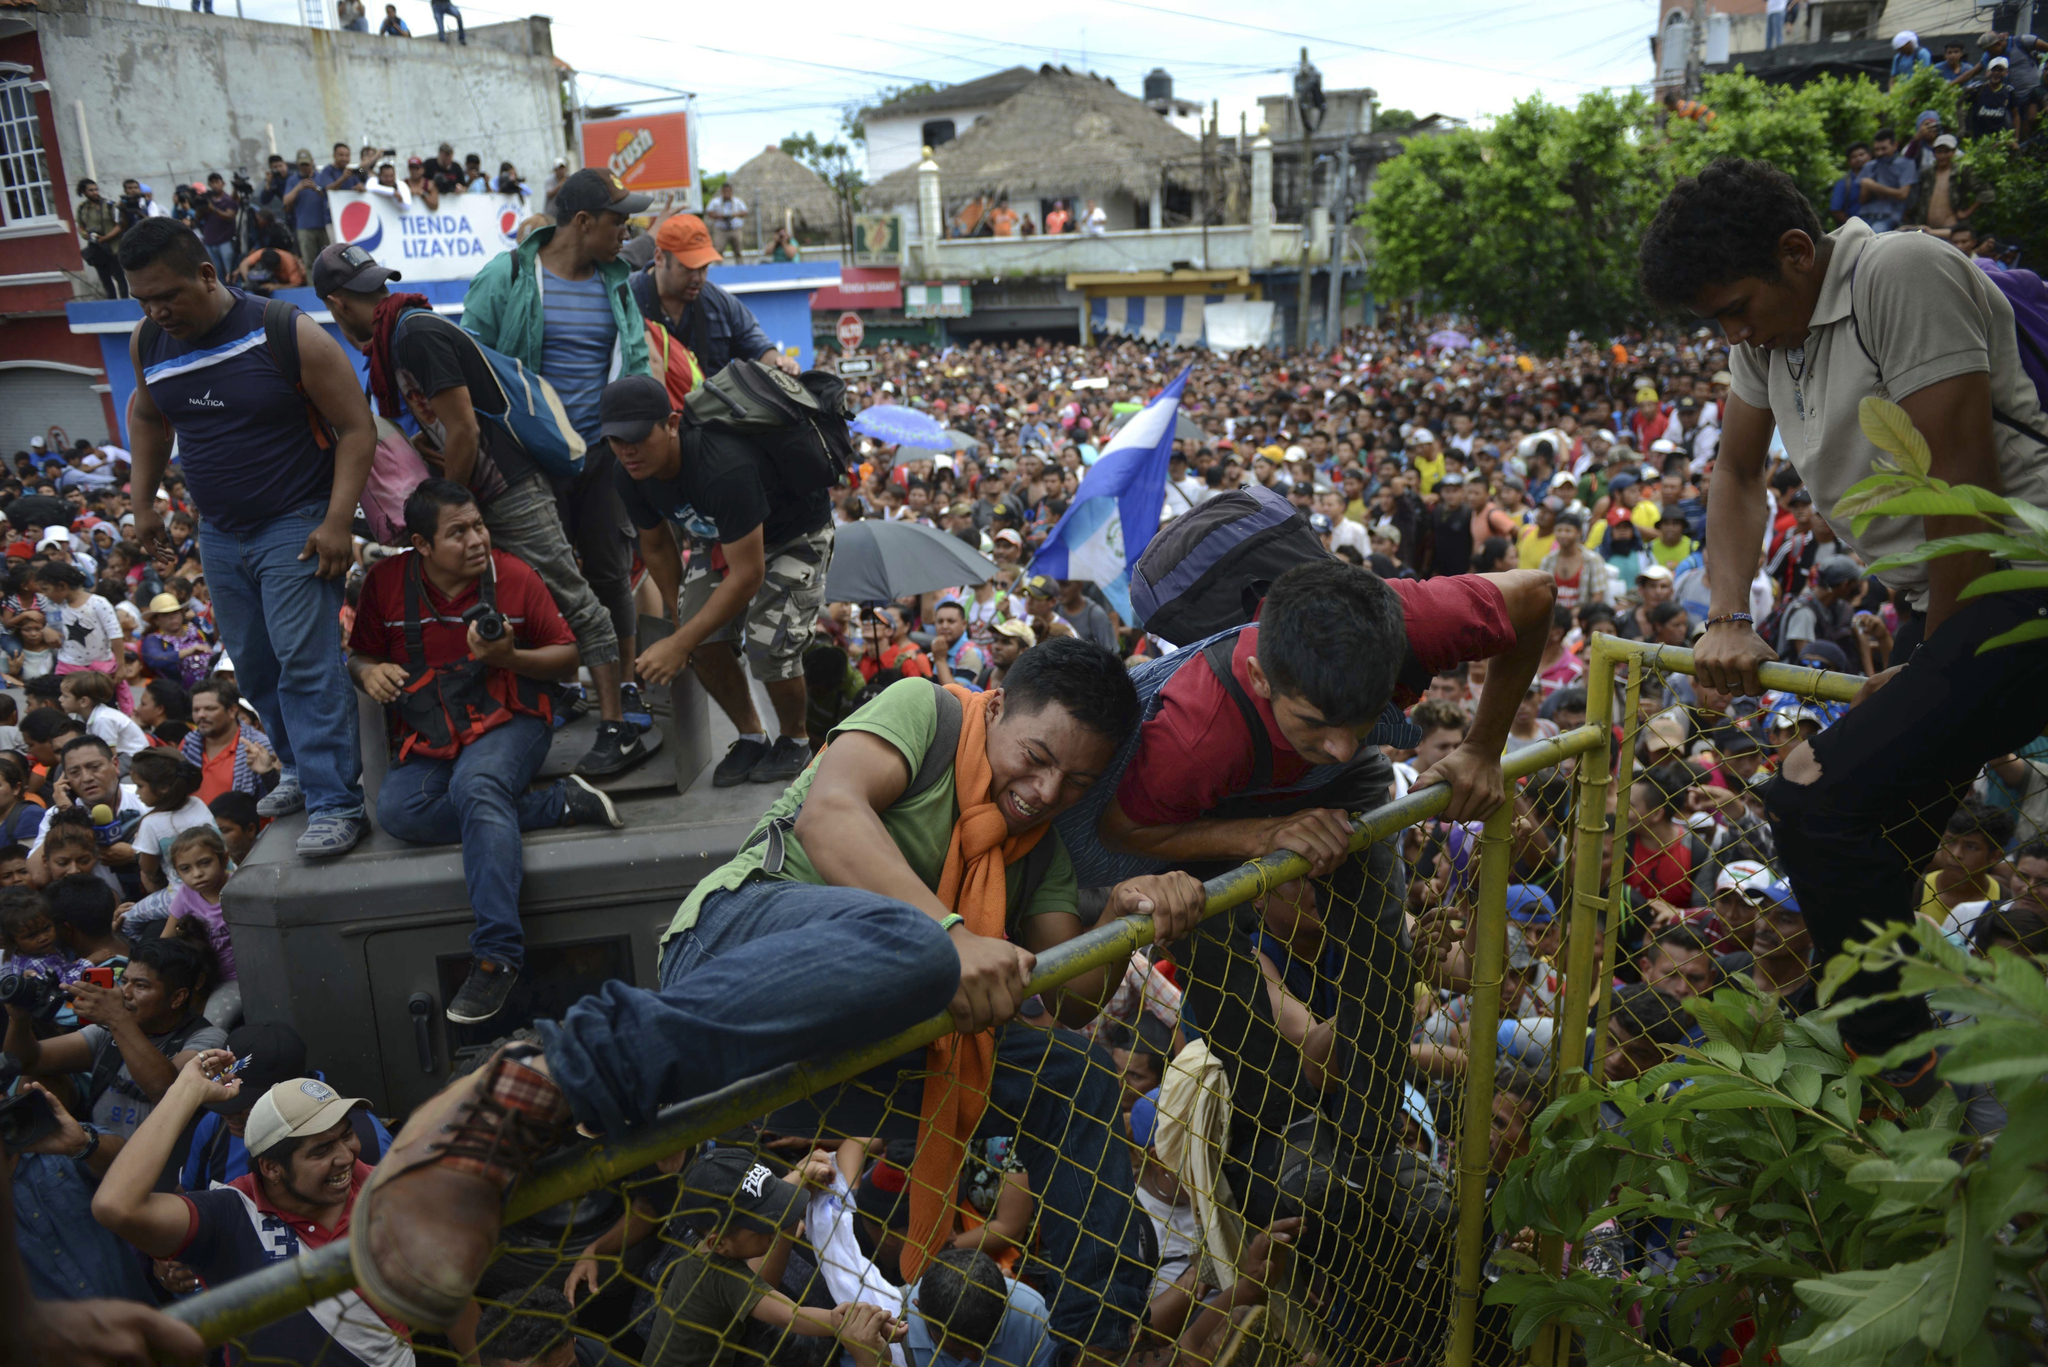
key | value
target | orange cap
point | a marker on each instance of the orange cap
(685, 237)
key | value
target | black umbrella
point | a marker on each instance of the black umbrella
(874, 560)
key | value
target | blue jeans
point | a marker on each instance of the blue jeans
(222, 254)
(480, 800)
(442, 14)
(281, 624)
(766, 978)
(1774, 31)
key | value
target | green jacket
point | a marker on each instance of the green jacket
(503, 308)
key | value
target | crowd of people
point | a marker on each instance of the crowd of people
(1121, 1162)
(261, 236)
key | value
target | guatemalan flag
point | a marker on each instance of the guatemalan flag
(1116, 510)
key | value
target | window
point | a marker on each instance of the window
(937, 132)
(25, 193)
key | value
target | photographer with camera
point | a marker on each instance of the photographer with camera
(217, 213)
(137, 1035)
(461, 643)
(100, 224)
(52, 1164)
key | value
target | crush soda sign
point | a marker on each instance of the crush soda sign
(449, 242)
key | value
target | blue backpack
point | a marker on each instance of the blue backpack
(523, 405)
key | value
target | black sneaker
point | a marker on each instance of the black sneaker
(618, 747)
(738, 764)
(583, 805)
(783, 763)
(483, 995)
(633, 703)
(575, 707)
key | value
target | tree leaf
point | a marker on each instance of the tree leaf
(1961, 1290)
(1997, 543)
(2025, 631)
(1890, 429)
(2005, 581)
(1766, 1067)
(1802, 1083)
(1883, 1317)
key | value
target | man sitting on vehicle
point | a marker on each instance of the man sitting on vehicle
(761, 546)
(462, 642)
(941, 879)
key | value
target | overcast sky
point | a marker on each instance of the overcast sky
(762, 71)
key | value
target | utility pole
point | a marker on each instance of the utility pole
(1208, 199)
(1340, 235)
(1308, 107)
(1696, 50)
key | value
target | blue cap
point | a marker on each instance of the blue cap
(1144, 1118)
(1527, 902)
(1781, 893)
(1623, 480)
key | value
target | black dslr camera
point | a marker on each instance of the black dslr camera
(25, 1120)
(39, 996)
(241, 184)
(488, 621)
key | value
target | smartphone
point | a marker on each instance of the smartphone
(100, 977)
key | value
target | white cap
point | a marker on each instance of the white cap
(55, 536)
(1740, 873)
(294, 1109)
(1653, 572)
(1295, 453)
(1997, 63)
(1905, 38)
(1421, 434)
(37, 442)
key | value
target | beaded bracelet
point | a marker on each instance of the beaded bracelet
(1731, 617)
(952, 919)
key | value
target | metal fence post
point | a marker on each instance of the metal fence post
(1489, 965)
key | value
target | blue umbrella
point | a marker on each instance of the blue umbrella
(900, 426)
(1448, 340)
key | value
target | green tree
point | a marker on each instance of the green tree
(836, 164)
(849, 118)
(1393, 120)
(1531, 224)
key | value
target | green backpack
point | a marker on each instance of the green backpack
(797, 423)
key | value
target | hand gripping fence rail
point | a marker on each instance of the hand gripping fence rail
(1422, 1276)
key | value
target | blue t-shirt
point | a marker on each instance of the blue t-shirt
(1021, 1339)
(1903, 63)
(577, 339)
(1847, 195)
(310, 209)
(1894, 171)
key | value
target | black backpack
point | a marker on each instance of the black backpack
(1209, 569)
(798, 424)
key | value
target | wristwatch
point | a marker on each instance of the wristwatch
(92, 1142)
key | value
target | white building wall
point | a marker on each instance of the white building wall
(895, 143)
(170, 95)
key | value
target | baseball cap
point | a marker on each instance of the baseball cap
(1020, 629)
(275, 1052)
(1563, 479)
(1624, 480)
(1839, 571)
(1420, 435)
(734, 1180)
(1654, 572)
(591, 191)
(55, 536)
(1530, 904)
(1451, 479)
(293, 1109)
(961, 510)
(1011, 535)
(1927, 116)
(1318, 523)
(1800, 498)
(1664, 446)
(1295, 453)
(345, 266)
(1666, 731)
(1947, 140)
(685, 237)
(1723, 377)
(303, 154)
(1040, 586)
(632, 405)
(1600, 434)
(1738, 874)
(1646, 394)
(1997, 64)
(1673, 514)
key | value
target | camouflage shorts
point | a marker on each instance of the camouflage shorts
(777, 625)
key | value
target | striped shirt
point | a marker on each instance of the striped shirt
(577, 338)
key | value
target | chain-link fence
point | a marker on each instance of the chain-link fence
(1256, 1151)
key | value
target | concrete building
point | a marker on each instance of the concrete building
(1822, 37)
(900, 130)
(107, 89)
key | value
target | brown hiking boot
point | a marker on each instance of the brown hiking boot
(427, 1220)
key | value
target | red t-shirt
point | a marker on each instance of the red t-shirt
(1194, 753)
(380, 614)
(219, 769)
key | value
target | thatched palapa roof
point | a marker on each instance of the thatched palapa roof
(773, 181)
(1063, 134)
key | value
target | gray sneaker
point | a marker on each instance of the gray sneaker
(287, 797)
(327, 836)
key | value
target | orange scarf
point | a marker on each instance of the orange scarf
(959, 1067)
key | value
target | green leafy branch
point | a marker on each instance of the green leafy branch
(1904, 487)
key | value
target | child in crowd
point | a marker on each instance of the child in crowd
(200, 859)
(235, 814)
(70, 847)
(14, 867)
(10, 724)
(1972, 847)
(90, 638)
(166, 782)
(20, 816)
(90, 698)
(29, 934)
(1161, 1195)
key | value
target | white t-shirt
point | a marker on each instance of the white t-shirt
(1096, 222)
(129, 806)
(90, 630)
(117, 729)
(159, 829)
(1179, 1234)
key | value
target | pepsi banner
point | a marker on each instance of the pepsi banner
(449, 242)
